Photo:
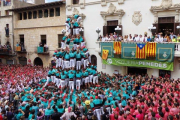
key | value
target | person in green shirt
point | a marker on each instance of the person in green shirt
(63, 82)
(72, 60)
(71, 80)
(78, 80)
(78, 60)
(63, 42)
(66, 60)
(174, 39)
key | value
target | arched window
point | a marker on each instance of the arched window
(38, 62)
(93, 60)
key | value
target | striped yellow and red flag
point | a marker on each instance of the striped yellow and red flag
(105, 54)
(117, 47)
(151, 49)
(141, 51)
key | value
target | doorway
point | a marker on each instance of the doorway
(137, 71)
(166, 28)
(166, 25)
(94, 60)
(38, 62)
(23, 60)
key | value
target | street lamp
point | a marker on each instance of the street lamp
(81, 30)
(117, 30)
(63, 31)
(98, 31)
(152, 28)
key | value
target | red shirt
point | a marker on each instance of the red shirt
(140, 116)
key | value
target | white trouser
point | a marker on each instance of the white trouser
(85, 63)
(86, 80)
(78, 84)
(57, 63)
(82, 61)
(87, 53)
(57, 81)
(95, 79)
(63, 45)
(82, 44)
(83, 81)
(78, 46)
(76, 31)
(67, 45)
(67, 81)
(89, 59)
(72, 63)
(71, 85)
(66, 64)
(98, 113)
(90, 78)
(47, 82)
(60, 60)
(52, 78)
(62, 63)
(78, 65)
(63, 83)
(75, 46)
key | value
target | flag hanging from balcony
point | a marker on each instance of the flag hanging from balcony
(105, 54)
(141, 51)
(107, 46)
(165, 52)
(117, 48)
(128, 50)
(151, 49)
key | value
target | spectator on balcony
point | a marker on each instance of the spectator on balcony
(125, 38)
(165, 38)
(107, 37)
(156, 39)
(178, 38)
(160, 38)
(136, 39)
(174, 39)
(17, 45)
(115, 36)
(149, 39)
(120, 38)
(45, 48)
(172, 35)
(111, 37)
(145, 38)
(103, 38)
(141, 39)
(40, 44)
(130, 39)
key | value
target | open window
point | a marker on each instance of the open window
(60, 36)
(75, 1)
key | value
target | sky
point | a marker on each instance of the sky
(51, 0)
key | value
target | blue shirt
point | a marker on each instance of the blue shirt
(71, 75)
(66, 56)
(78, 75)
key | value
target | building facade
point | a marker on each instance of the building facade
(133, 17)
(6, 29)
(38, 29)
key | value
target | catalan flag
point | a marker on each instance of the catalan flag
(141, 51)
(105, 54)
(117, 48)
(151, 49)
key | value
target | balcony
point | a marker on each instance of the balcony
(6, 52)
(176, 52)
(20, 50)
(42, 50)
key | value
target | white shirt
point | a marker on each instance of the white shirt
(136, 39)
(160, 39)
(141, 39)
(103, 39)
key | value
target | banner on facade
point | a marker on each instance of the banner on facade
(140, 63)
(128, 50)
(107, 46)
(165, 52)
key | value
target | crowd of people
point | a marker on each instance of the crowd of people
(140, 38)
(6, 48)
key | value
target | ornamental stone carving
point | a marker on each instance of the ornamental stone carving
(165, 4)
(112, 11)
(137, 18)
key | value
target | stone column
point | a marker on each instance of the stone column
(48, 12)
(54, 12)
(22, 15)
(37, 14)
(177, 16)
(27, 14)
(42, 13)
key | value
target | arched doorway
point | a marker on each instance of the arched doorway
(23, 60)
(93, 60)
(38, 62)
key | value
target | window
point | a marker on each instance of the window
(57, 11)
(7, 12)
(93, 60)
(51, 12)
(25, 15)
(60, 36)
(20, 16)
(40, 13)
(21, 39)
(43, 40)
(75, 1)
(34, 14)
(29, 15)
(9, 62)
(164, 73)
(45, 13)
(7, 30)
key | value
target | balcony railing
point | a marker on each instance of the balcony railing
(5, 51)
(20, 49)
(43, 50)
(176, 54)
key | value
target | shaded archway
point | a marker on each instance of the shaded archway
(38, 62)
(93, 60)
(23, 60)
